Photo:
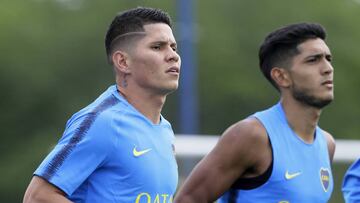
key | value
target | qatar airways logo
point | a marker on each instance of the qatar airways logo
(159, 198)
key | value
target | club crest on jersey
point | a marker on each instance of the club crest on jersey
(325, 178)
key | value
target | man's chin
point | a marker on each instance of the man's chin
(320, 104)
(173, 87)
(169, 89)
(314, 102)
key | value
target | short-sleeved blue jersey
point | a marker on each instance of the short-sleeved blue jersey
(301, 172)
(351, 183)
(110, 152)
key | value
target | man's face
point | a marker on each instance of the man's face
(312, 74)
(154, 62)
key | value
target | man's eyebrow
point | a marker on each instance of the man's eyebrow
(163, 42)
(318, 55)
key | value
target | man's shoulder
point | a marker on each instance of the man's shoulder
(249, 129)
(331, 144)
(247, 138)
(328, 137)
(246, 141)
(97, 115)
(103, 102)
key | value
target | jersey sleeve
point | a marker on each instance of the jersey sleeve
(83, 148)
(351, 183)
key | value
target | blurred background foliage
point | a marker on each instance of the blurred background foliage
(53, 63)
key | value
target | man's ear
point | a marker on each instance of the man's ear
(120, 60)
(281, 77)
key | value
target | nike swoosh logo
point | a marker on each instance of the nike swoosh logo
(289, 176)
(137, 153)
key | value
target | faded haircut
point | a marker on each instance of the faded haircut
(281, 45)
(128, 24)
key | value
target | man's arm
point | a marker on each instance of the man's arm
(351, 183)
(41, 191)
(243, 146)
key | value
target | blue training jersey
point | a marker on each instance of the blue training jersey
(351, 183)
(301, 172)
(110, 152)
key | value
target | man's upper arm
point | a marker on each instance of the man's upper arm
(39, 190)
(232, 156)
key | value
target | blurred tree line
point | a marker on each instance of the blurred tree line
(53, 63)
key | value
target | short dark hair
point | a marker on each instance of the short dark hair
(281, 45)
(132, 20)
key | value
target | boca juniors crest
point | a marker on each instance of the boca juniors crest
(325, 178)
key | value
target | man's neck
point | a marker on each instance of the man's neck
(302, 118)
(148, 104)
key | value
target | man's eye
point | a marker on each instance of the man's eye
(329, 58)
(156, 47)
(313, 59)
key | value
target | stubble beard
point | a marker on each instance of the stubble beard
(304, 97)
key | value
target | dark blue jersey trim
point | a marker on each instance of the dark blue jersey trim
(79, 134)
(254, 182)
(233, 194)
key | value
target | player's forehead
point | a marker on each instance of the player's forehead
(158, 32)
(314, 47)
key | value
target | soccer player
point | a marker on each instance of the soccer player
(120, 148)
(351, 183)
(278, 155)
